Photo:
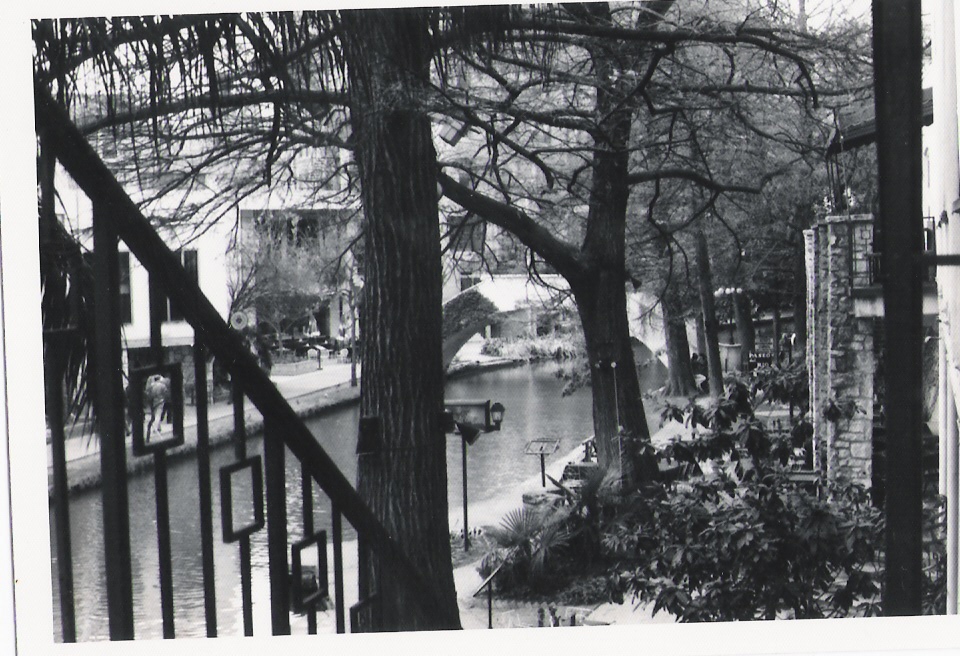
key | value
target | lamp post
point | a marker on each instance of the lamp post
(470, 418)
(468, 435)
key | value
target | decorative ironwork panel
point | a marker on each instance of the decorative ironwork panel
(365, 615)
(155, 397)
(309, 582)
(232, 533)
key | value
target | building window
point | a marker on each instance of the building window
(188, 258)
(126, 305)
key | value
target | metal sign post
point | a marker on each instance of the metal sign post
(542, 448)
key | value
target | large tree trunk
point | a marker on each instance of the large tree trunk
(680, 380)
(601, 292)
(701, 334)
(711, 327)
(402, 474)
(746, 334)
(618, 413)
(597, 271)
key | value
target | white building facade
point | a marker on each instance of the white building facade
(942, 200)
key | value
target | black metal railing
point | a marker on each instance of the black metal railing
(156, 404)
(867, 266)
(487, 585)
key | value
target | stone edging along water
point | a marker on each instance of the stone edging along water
(84, 473)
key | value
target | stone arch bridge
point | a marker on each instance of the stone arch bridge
(518, 298)
(496, 300)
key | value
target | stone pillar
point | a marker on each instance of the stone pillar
(814, 353)
(840, 349)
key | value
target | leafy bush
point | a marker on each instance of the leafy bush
(526, 540)
(726, 547)
(732, 534)
(734, 537)
(788, 385)
(728, 428)
(553, 346)
(935, 556)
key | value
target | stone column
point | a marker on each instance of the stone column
(812, 261)
(840, 350)
(848, 349)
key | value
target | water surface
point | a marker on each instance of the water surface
(496, 464)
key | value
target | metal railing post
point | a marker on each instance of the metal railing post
(205, 493)
(240, 452)
(338, 601)
(53, 375)
(158, 301)
(109, 399)
(306, 495)
(274, 453)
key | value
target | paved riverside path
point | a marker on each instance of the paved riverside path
(308, 392)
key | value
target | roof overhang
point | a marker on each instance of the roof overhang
(857, 126)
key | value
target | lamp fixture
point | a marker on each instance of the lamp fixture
(496, 415)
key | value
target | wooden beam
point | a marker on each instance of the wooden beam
(897, 44)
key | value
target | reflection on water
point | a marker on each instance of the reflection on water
(496, 463)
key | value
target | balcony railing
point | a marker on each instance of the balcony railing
(867, 260)
(384, 570)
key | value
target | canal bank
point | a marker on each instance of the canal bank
(311, 393)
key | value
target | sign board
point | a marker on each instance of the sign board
(543, 447)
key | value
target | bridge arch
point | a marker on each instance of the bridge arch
(465, 315)
(496, 299)
(505, 297)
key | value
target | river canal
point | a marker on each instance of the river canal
(496, 466)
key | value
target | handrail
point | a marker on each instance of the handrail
(93, 177)
(488, 584)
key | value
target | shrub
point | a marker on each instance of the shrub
(526, 542)
(737, 538)
(788, 385)
(723, 547)
(553, 346)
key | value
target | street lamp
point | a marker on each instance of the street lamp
(470, 419)
(496, 415)
(468, 435)
(480, 413)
